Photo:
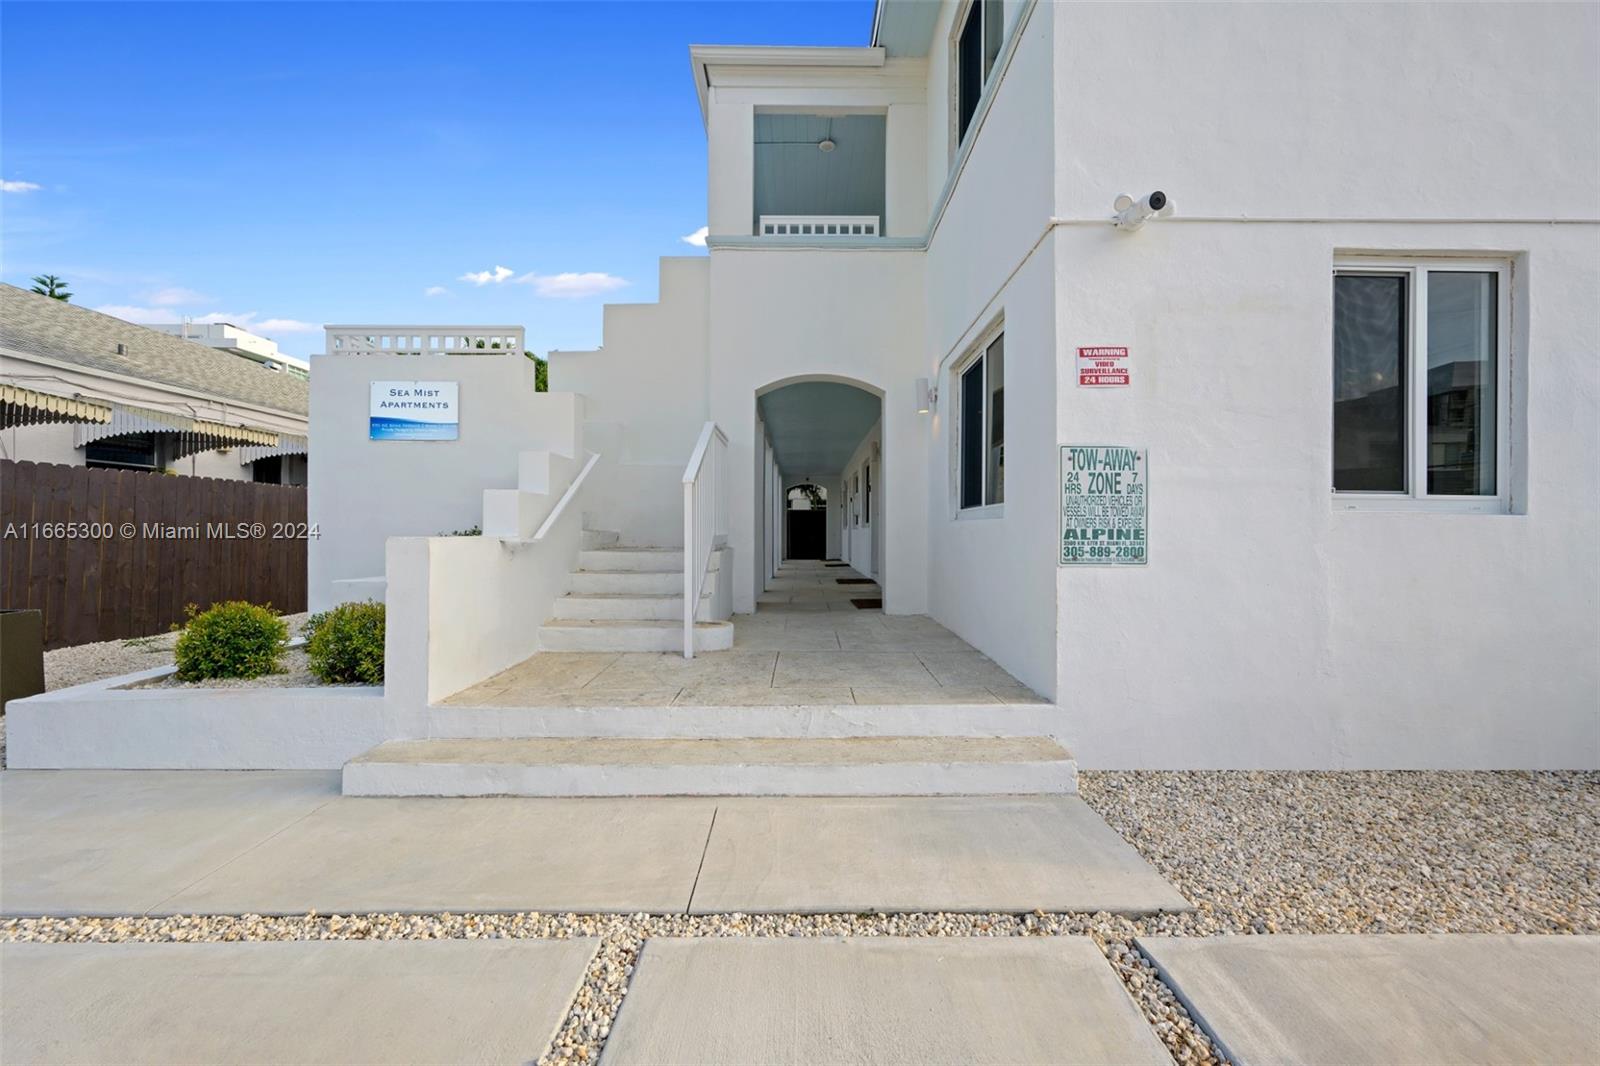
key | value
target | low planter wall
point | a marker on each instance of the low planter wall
(105, 726)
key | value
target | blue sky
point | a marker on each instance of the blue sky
(294, 164)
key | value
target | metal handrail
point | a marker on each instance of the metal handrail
(705, 519)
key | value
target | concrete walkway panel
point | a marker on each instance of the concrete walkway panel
(121, 841)
(346, 1001)
(420, 855)
(955, 853)
(1391, 998)
(921, 1002)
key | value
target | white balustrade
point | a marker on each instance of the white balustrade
(819, 226)
(424, 340)
(705, 520)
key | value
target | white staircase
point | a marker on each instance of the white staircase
(728, 766)
(631, 599)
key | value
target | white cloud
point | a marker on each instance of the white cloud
(489, 277)
(285, 325)
(141, 315)
(697, 238)
(177, 297)
(571, 286)
(250, 320)
(18, 186)
(435, 290)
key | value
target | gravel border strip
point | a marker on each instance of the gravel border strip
(593, 1009)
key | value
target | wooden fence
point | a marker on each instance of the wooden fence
(118, 553)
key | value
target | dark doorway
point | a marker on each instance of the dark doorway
(808, 534)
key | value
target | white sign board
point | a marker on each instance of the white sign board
(414, 410)
(1104, 494)
(1103, 367)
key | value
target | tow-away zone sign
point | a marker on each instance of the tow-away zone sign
(1104, 498)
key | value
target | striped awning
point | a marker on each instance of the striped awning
(190, 435)
(288, 444)
(25, 407)
(235, 434)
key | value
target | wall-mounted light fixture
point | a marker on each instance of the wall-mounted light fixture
(927, 396)
(826, 144)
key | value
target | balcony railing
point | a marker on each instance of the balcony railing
(424, 340)
(819, 226)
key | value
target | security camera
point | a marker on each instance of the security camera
(1130, 215)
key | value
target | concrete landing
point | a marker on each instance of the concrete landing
(1392, 998)
(265, 842)
(880, 1000)
(734, 766)
(295, 1001)
(981, 853)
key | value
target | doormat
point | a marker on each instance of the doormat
(835, 564)
(855, 581)
(875, 604)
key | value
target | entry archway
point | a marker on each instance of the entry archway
(825, 431)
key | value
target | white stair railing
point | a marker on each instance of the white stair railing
(705, 520)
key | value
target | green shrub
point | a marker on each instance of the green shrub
(344, 646)
(235, 639)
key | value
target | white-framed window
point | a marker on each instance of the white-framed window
(981, 425)
(866, 492)
(975, 45)
(855, 499)
(1421, 383)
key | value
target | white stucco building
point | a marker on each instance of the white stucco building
(1356, 359)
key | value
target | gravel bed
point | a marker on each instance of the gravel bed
(82, 663)
(295, 673)
(1256, 852)
(1366, 852)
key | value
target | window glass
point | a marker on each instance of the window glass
(130, 450)
(1462, 336)
(995, 472)
(971, 430)
(993, 19)
(969, 68)
(1369, 389)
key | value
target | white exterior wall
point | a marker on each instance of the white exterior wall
(41, 444)
(990, 260)
(862, 547)
(1271, 629)
(645, 403)
(363, 491)
(785, 314)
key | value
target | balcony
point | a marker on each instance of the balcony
(819, 175)
(819, 226)
(424, 340)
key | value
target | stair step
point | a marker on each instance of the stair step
(632, 582)
(632, 606)
(594, 766)
(647, 560)
(594, 539)
(631, 635)
(554, 716)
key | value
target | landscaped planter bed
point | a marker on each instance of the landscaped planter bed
(148, 721)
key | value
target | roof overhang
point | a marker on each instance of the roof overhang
(904, 28)
(703, 57)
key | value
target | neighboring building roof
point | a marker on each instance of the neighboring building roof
(37, 325)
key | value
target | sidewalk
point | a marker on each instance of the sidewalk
(269, 842)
